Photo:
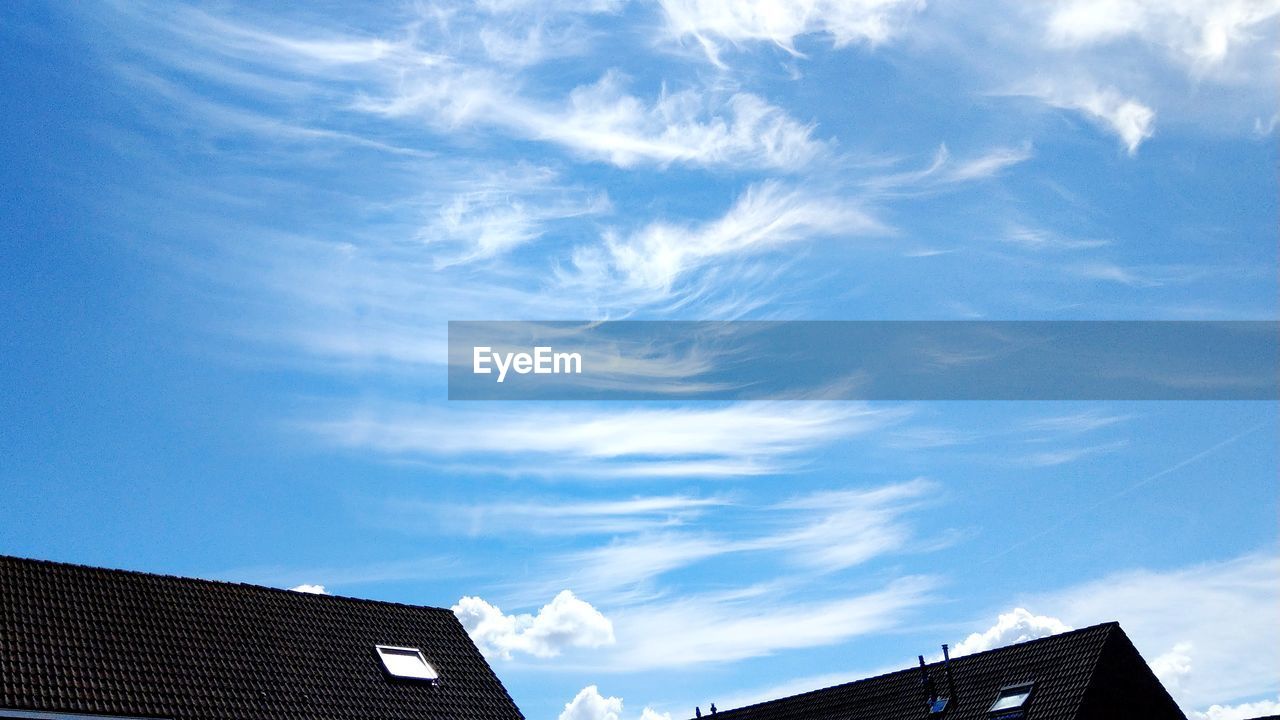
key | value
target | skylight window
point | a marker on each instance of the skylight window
(405, 662)
(938, 706)
(1011, 700)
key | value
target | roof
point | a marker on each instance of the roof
(1094, 672)
(89, 640)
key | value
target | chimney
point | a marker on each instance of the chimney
(697, 711)
(927, 682)
(946, 664)
(713, 708)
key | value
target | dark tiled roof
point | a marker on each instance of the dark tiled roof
(1087, 674)
(88, 640)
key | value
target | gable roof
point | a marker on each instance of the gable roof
(1094, 672)
(89, 640)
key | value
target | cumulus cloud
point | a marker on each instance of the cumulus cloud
(565, 622)
(313, 589)
(1015, 626)
(780, 22)
(1242, 711)
(589, 704)
(1174, 668)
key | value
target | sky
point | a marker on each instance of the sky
(233, 235)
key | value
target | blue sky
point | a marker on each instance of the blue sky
(234, 234)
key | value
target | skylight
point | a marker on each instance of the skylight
(1011, 699)
(405, 662)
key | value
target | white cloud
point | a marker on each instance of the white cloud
(1062, 456)
(702, 629)
(1242, 711)
(313, 589)
(1039, 239)
(451, 90)
(1015, 626)
(1076, 423)
(1128, 118)
(565, 622)
(1202, 34)
(565, 517)
(844, 528)
(589, 704)
(1213, 626)
(688, 126)
(748, 438)
(782, 21)
(768, 215)
(944, 171)
(601, 121)
(1174, 668)
(823, 532)
(618, 568)
(494, 213)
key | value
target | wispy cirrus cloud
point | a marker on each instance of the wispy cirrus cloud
(748, 438)
(541, 517)
(416, 75)
(713, 22)
(1203, 35)
(488, 215)
(718, 628)
(1127, 117)
(652, 260)
(601, 121)
(821, 532)
(946, 171)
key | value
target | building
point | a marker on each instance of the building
(78, 641)
(1090, 674)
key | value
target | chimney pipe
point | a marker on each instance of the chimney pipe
(927, 681)
(946, 660)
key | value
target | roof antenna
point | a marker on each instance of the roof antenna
(927, 681)
(951, 685)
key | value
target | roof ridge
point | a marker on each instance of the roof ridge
(224, 583)
(1110, 626)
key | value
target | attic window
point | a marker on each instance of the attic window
(1011, 700)
(405, 662)
(937, 707)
